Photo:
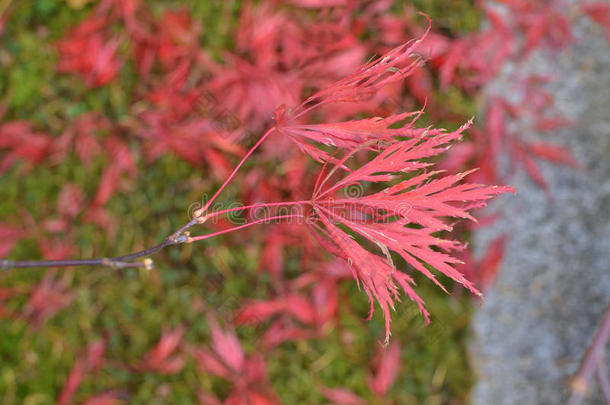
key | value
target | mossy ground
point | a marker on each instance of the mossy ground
(132, 306)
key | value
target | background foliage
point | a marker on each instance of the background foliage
(102, 154)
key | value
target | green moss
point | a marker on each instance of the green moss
(453, 16)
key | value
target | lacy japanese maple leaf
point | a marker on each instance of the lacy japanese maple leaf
(402, 217)
(365, 83)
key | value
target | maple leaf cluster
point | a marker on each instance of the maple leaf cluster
(374, 201)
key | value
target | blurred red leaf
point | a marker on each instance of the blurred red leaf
(208, 399)
(86, 51)
(6, 293)
(56, 248)
(294, 305)
(75, 378)
(495, 127)
(364, 83)
(210, 363)
(489, 264)
(70, 201)
(120, 162)
(272, 257)
(525, 153)
(178, 37)
(227, 360)
(165, 357)
(250, 397)
(282, 331)
(22, 142)
(227, 346)
(386, 369)
(87, 363)
(552, 153)
(81, 136)
(600, 13)
(252, 93)
(319, 3)
(551, 124)
(341, 396)
(107, 398)
(9, 236)
(47, 298)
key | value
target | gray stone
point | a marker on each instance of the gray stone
(554, 283)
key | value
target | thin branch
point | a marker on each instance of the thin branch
(119, 262)
(179, 234)
(178, 237)
(8, 264)
(146, 252)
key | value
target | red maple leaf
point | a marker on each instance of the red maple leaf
(107, 398)
(341, 396)
(85, 364)
(9, 236)
(600, 13)
(361, 85)
(87, 51)
(19, 140)
(227, 360)
(402, 217)
(165, 356)
(387, 366)
(47, 298)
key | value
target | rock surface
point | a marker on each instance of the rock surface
(554, 283)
